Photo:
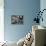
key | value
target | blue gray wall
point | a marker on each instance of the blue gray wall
(19, 7)
(43, 6)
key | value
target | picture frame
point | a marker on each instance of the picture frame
(17, 19)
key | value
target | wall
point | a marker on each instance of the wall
(19, 7)
(43, 6)
(1, 20)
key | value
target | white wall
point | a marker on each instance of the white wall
(1, 20)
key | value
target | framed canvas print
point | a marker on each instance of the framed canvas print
(17, 19)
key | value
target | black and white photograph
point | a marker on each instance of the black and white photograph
(16, 19)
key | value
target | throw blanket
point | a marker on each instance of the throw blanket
(26, 41)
